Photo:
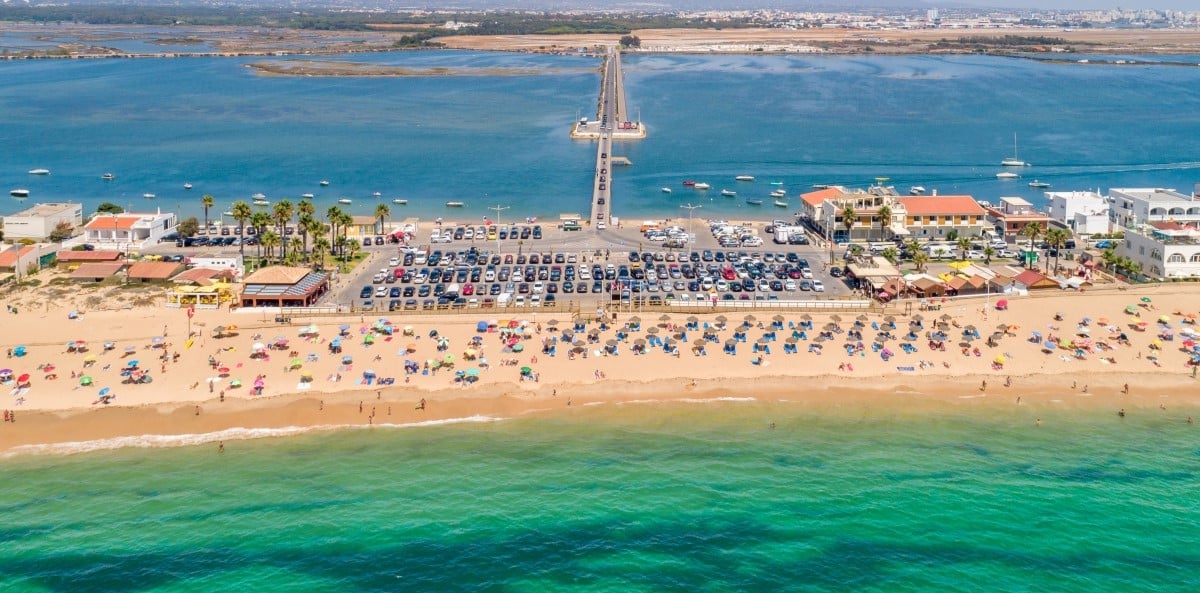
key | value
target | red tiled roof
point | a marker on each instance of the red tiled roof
(8, 257)
(941, 205)
(814, 198)
(1031, 278)
(81, 256)
(97, 270)
(104, 221)
(198, 274)
(154, 270)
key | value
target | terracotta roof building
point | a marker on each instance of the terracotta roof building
(96, 271)
(151, 271)
(70, 259)
(283, 286)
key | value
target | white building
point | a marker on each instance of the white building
(36, 223)
(1136, 206)
(127, 231)
(1165, 249)
(232, 262)
(1084, 212)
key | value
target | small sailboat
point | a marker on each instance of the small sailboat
(728, 193)
(1014, 160)
(108, 177)
(744, 178)
(666, 190)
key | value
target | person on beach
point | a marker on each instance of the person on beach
(1038, 422)
(1121, 413)
(221, 447)
(421, 405)
(1008, 382)
(1125, 389)
(983, 386)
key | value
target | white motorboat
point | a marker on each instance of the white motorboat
(1006, 175)
(345, 201)
(666, 190)
(39, 171)
(377, 194)
(728, 193)
(916, 190)
(779, 193)
(324, 183)
(781, 203)
(455, 204)
(702, 185)
(108, 177)
(307, 196)
(259, 196)
(1038, 184)
(400, 201)
(187, 186)
(19, 193)
(261, 203)
(754, 201)
(744, 178)
(149, 196)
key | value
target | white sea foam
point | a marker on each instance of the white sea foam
(709, 400)
(148, 441)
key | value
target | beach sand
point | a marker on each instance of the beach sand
(179, 401)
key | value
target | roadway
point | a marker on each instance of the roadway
(611, 110)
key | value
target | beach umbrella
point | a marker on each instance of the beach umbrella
(969, 328)
(777, 318)
(296, 362)
(128, 349)
(611, 343)
(996, 337)
(731, 343)
(653, 330)
(1050, 345)
(105, 391)
(369, 339)
(792, 339)
(964, 344)
(1164, 319)
(881, 338)
(518, 347)
(862, 318)
(664, 317)
(90, 358)
(723, 319)
(918, 317)
(692, 319)
(133, 363)
(836, 318)
(24, 378)
(472, 372)
(764, 341)
(347, 359)
(1145, 299)
(749, 318)
(946, 317)
(526, 370)
(1000, 359)
(699, 342)
(369, 373)
(156, 340)
(890, 318)
(805, 317)
(579, 343)
(1002, 327)
(635, 319)
(85, 380)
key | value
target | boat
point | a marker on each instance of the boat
(455, 204)
(307, 196)
(779, 193)
(324, 183)
(701, 185)
(781, 203)
(108, 177)
(1038, 184)
(916, 190)
(1006, 175)
(666, 190)
(149, 196)
(688, 183)
(187, 186)
(19, 193)
(728, 192)
(754, 201)
(259, 196)
(744, 178)
(377, 194)
(400, 201)
(820, 186)
(261, 203)
(39, 171)
(779, 183)
(228, 213)
(1014, 160)
(345, 201)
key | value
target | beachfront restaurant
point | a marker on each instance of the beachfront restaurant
(284, 286)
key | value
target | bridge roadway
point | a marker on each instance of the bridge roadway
(611, 111)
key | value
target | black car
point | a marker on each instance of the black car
(836, 272)
(365, 293)
(394, 305)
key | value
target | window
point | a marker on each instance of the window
(1196, 258)
(1176, 258)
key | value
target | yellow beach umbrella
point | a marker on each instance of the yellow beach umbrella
(959, 265)
(1001, 359)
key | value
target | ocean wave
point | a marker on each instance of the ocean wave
(148, 441)
(709, 400)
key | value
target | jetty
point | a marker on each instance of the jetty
(613, 124)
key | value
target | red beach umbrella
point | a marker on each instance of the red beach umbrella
(23, 378)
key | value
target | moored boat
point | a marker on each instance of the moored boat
(400, 201)
(754, 201)
(781, 203)
(19, 193)
(324, 183)
(187, 186)
(1006, 175)
(149, 196)
(307, 196)
(916, 190)
(1014, 160)
(728, 193)
(701, 185)
(261, 203)
(39, 171)
(744, 178)
(1038, 184)
(666, 190)
(688, 183)
(258, 196)
(108, 177)
(779, 193)
(345, 201)
(779, 183)
(455, 204)
(377, 194)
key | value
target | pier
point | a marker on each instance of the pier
(614, 123)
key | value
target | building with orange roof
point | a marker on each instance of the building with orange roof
(97, 271)
(127, 231)
(1014, 214)
(70, 259)
(936, 217)
(284, 286)
(825, 210)
(154, 271)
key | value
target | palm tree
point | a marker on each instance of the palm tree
(1032, 230)
(282, 213)
(891, 255)
(344, 221)
(259, 220)
(1110, 258)
(912, 246)
(207, 201)
(297, 250)
(920, 259)
(849, 217)
(1056, 238)
(885, 220)
(350, 248)
(334, 217)
(270, 241)
(382, 211)
(963, 245)
(321, 246)
(988, 252)
(241, 213)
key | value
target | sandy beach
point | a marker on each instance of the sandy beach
(1087, 367)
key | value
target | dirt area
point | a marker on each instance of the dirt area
(339, 68)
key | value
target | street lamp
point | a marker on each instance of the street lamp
(829, 236)
(690, 208)
(498, 208)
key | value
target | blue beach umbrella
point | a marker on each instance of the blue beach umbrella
(1050, 345)
(105, 391)
(133, 363)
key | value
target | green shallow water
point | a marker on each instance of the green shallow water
(695, 497)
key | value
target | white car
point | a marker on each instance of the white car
(539, 287)
(395, 261)
(382, 291)
(722, 285)
(818, 286)
(585, 273)
(806, 273)
(972, 254)
(1007, 253)
(789, 284)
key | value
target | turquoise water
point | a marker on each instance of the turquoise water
(683, 497)
(943, 122)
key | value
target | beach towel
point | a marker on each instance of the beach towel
(906, 369)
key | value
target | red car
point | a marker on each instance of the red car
(468, 289)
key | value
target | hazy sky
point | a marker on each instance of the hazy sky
(1190, 5)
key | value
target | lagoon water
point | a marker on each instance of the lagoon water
(943, 122)
(668, 497)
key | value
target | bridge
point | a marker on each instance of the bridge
(614, 123)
